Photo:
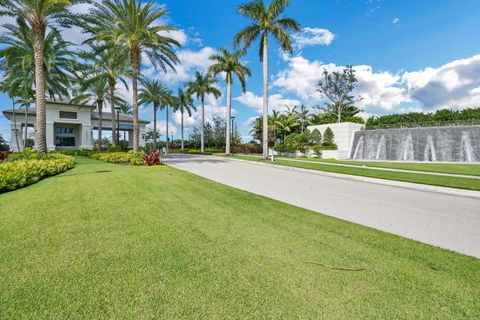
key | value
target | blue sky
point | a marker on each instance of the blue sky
(409, 55)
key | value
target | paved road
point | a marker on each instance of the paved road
(448, 221)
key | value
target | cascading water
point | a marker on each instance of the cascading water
(429, 153)
(382, 149)
(456, 143)
(359, 149)
(467, 153)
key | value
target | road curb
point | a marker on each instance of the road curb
(393, 183)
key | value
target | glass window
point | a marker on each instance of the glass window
(65, 130)
(68, 115)
(65, 141)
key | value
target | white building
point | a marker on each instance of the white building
(70, 126)
(343, 137)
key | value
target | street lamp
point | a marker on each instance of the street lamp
(171, 132)
(232, 119)
(117, 111)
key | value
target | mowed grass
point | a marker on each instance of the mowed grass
(107, 241)
(430, 179)
(450, 168)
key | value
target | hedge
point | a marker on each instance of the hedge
(19, 172)
(130, 157)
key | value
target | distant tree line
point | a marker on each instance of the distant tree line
(414, 119)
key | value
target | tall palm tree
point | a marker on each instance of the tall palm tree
(201, 87)
(266, 20)
(184, 104)
(167, 100)
(134, 23)
(229, 63)
(18, 63)
(152, 93)
(96, 92)
(112, 60)
(40, 15)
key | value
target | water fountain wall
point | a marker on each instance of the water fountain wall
(456, 144)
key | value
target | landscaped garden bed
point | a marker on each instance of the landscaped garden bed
(138, 158)
(24, 168)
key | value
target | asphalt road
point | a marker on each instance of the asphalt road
(447, 221)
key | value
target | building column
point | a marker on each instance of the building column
(50, 133)
(130, 139)
(86, 137)
(14, 134)
(142, 136)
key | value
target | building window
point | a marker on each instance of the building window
(74, 92)
(68, 115)
(65, 141)
(65, 130)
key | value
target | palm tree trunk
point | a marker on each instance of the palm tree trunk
(166, 108)
(38, 38)
(100, 124)
(155, 128)
(181, 124)
(265, 97)
(202, 133)
(112, 108)
(26, 127)
(136, 133)
(15, 123)
(229, 114)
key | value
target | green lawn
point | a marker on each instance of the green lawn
(443, 181)
(110, 241)
(460, 168)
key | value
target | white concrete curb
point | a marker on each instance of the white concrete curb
(401, 184)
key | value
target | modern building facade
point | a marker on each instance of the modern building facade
(70, 126)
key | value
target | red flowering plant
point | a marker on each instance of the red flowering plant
(153, 159)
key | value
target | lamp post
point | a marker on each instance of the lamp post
(171, 132)
(232, 119)
(117, 111)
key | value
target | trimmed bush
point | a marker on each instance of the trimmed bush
(21, 172)
(153, 159)
(130, 157)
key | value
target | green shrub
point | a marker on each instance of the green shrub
(130, 157)
(22, 172)
(315, 137)
(328, 137)
(317, 149)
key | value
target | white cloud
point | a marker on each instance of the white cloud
(275, 101)
(454, 84)
(396, 20)
(377, 89)
(190, 61)
(312, 36)
(178, 35)
(162, 128)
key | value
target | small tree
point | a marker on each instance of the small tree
(316, 137)
(328, 137)
(337, 87)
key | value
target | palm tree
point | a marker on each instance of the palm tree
(286, 124)
(167, 100)
(184, 104)
(201, 87)
(40, 15)
(135, 24)
(229, 63)
(112, 60)
(305, 117)
(17, 61)
(96, 92)
(152, 93)
(266, 20)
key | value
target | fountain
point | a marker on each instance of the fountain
(453, 143)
